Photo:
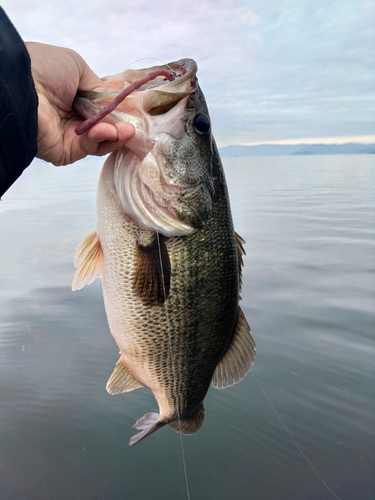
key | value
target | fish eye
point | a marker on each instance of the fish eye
(202, 124)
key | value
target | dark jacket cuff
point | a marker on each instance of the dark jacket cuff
(18, 106)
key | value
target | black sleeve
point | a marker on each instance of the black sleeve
(18, 106)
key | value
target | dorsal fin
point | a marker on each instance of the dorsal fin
(238, 357)
(240, 253)
(121, 380)
(88, 261)
(153, 270)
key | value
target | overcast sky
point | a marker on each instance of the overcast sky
(271, 70)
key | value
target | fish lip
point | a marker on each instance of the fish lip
(186, 67)
(183, 70)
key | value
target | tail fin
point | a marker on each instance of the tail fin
(189, 425)
(146, 425)
(150, 423)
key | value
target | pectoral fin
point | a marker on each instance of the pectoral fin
(121, 380)
(238, 358)
(88, 261)
(153, 270)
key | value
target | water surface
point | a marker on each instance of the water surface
(308, 294)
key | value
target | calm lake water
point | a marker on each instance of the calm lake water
(308, 294)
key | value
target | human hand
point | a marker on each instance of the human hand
(58, 73)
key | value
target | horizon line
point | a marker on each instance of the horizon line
(361, 139)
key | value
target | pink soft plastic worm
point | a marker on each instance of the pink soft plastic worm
(87, 124)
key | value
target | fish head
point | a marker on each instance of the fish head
(164, 175)
(183, 185)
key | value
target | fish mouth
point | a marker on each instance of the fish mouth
(184, 73)
(159, 94)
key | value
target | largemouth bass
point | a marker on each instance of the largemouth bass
(166, 250)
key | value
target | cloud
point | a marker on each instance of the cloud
(116, 35)
(313, 73)
(270, 70)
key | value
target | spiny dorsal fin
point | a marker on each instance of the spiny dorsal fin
(121, 380)
(189, 425)
(238, 357)
(88, 261)
(240, 253)
(153, 270)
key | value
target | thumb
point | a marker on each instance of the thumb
(88, 79)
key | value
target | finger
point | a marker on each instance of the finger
(104, 138)
(88, 80)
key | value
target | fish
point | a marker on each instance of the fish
(166, 250)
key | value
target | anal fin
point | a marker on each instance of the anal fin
(88, 261)
(121, 380)
(238, 358)
(147, 424)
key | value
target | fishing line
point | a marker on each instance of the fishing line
(293, 440)
(173, 370)
(148, 59)
(171, 348)
(170, 342)
(83, 128)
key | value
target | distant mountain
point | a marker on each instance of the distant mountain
(349, 148)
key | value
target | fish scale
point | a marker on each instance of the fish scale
(172, 300)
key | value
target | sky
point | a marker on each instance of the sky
(273, 71)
